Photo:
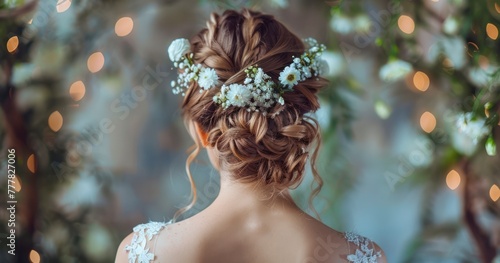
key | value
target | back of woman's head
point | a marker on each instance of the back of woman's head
(270, 150)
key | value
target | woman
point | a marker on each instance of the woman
(247, 84)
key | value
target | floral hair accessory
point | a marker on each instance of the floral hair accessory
(258, 92)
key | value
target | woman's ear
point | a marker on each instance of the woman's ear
(201, 134)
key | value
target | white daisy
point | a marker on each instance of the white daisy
(238, 95)
(208, 78)
(289, 77)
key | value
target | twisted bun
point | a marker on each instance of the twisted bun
(254, 148)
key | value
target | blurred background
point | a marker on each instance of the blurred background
(410, 123)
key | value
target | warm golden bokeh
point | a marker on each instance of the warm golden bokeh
(447, 63)
(95, 62)
(421, 81)
(124, 26)
(17, 184)
(77, 90)
(497, 8)
(453, 179)
(12, 44)
(406, 24)
(63, 5)
(494, 193)
(55, 121)
(427, 122)
(34, 256)
(492, 31)
(31, 163)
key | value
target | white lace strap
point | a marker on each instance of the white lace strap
(365, 250)
(138, 249)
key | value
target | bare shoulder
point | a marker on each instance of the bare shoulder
(121, 254)
(140, 244)
(362, 249)
(329, 245)
(382, 258)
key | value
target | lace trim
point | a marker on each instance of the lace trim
(138, 250)
(363, 254)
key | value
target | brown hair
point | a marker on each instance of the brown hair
(253, 148)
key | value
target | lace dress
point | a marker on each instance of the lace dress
(139, 252)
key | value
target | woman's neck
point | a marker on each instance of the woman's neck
(250, 198)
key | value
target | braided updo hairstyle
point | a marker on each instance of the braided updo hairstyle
(252, 147)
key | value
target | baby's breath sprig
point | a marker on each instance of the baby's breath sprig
(257, 93)
(308, 65)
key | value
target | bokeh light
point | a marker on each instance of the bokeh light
(12, 44)
(448, 64)
(484, 62)
(63, 5)
(497, 8)
(453, 179)
(31, 163)
(406, 24)
(494, 192)
(95, 62)
(382, 109)
(492, 31)
(55, 121)
(77, 90)
(17, 184)
(124, 26)
(421, 81)
(427, 122)
(34, 256)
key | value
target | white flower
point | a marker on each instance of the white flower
(82, 190)
(178, 48)
(238, 95)
(289, 77)
(455, 49)
(395, 70)
(341, 24)
(474, 129)
(335, 64)
(483, 77)
(450, 25)
(208, 78)
(362, 23)
(259, 76)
